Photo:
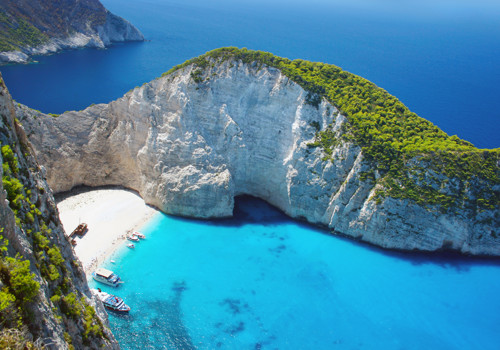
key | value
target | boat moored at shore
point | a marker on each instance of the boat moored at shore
(111, 302)
(138, 235)
(107, 277)
(132, 238)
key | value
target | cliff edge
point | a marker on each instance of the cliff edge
(36, 27)
(45, 301)
(317, 142)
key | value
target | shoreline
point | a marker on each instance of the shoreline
(109, 213)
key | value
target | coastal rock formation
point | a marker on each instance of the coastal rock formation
(192, 140)
(35, 27)
(45, 299)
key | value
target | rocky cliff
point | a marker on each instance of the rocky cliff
(34, 27)
(44, 296)
(231, 123)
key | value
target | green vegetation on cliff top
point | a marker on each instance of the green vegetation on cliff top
(407, 152)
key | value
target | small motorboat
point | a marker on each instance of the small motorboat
(130, 245)
(138, 235)
(111, 302)
(107, 277)
(133, 238)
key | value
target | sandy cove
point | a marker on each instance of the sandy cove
(109, 214)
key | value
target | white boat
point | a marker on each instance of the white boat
(138, 235)
(130, 245)
(111, 301)
(133, 238)
(107, 277)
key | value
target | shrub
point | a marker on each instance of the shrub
(22, 280)
(70, 306)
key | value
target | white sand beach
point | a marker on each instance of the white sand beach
(109, 214)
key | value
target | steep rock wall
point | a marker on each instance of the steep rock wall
(192, 140)
(30, 222)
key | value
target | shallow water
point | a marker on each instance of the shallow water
(263, 281)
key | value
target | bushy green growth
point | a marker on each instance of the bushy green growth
(12, 338)
(326, 140)
(10, 160)
(390, 136)
(55, 299)
(315, 125)
(14, 190)
(19, 286)
(53, 273)
(30, 218)
(55, 256)
(20, 279)
(196, 76)
(68, 339)
(74, 308)
(19, 33)
(6, 300)
(41, 242)
(14, 187)
(93, 325)
(70, 305)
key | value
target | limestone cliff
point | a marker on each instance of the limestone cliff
(44, 296)
(34, 27)
(215, 128)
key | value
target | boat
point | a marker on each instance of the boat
(131, 237)
(111, 302)
(107, 277)
(139, 235)
(80, 230)
(130, 245)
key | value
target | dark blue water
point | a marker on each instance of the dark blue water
(439, 57)
(262, 281)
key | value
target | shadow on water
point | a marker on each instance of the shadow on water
(249, 210)
(252, 210)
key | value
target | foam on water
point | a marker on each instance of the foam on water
(263, 281)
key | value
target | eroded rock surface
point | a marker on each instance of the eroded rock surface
(191, 141)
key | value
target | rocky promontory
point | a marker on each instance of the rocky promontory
(315, 141)
(36, 27)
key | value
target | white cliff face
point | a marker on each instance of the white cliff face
(190, 147)
(114, 29)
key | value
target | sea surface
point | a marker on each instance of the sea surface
(263, 281)
(439, 57)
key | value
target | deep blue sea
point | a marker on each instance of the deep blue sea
(263, 281)
(441, 58)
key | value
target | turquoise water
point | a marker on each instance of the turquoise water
(439, 57)
(263, 281)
